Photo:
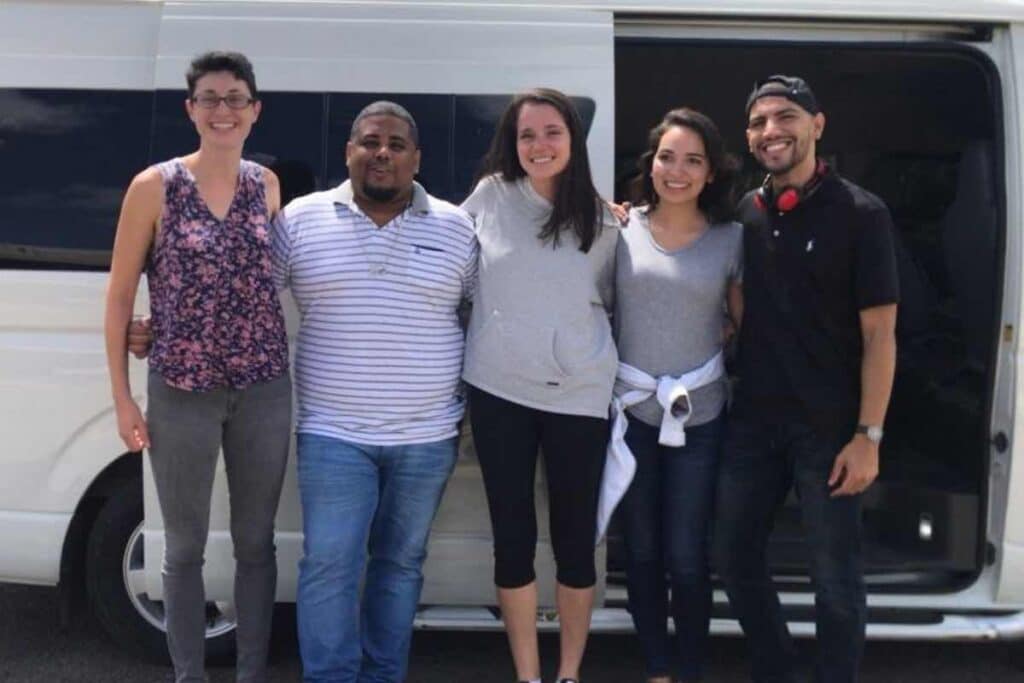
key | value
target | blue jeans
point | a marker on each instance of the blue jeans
(361, 501)
(666, 524)
(760, 462)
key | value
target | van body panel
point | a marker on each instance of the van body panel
(60, 431)
(929, 11)
(90, 44)
(54, 388)
(33, 542)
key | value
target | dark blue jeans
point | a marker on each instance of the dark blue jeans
(666, 522)
(760, 462)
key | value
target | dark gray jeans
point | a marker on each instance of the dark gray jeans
(253, 426)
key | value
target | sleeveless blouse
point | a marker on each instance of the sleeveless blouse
(216, 316)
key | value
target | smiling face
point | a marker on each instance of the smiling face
(543, 145)
(382, 159)
(782, 136)
(680, 168)
(222, 126)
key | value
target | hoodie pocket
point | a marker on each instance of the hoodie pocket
(585, 347)
(518, 348)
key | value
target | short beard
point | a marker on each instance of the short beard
(380, 194)
(795, 159)
(782, 169)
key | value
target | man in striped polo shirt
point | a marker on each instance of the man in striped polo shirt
(378, 268)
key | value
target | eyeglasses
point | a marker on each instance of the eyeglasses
(235, 100)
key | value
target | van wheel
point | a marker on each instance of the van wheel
(116, 587)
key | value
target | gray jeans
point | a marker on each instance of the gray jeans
(253, 426)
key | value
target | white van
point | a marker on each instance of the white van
(925, 105)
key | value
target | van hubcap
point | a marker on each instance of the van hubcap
(220, 616)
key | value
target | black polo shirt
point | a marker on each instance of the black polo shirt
(806, 275)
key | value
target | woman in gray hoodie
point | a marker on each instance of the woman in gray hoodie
(540, 361)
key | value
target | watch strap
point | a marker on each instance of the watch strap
(873, 432)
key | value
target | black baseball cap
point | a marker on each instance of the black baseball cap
(792, 88)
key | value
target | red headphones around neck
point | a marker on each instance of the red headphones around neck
(789, 197)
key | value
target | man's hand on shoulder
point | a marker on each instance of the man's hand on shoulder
(855, 468)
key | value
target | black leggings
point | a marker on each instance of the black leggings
(507, 436)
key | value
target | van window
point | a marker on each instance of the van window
(66, 157)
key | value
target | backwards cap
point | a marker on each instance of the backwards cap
(792, 88)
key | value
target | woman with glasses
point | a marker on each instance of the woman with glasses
(218, 367)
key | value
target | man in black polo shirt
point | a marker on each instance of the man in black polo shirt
(816, 360)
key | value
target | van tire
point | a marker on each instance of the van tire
(135, 623)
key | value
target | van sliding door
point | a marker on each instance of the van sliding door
(1006, 477)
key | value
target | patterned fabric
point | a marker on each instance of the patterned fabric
(217, 318)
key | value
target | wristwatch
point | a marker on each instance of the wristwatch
(873, 432)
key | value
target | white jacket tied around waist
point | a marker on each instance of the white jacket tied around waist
(633, 386)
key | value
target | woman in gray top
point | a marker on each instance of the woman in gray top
(678, 271)
(540, 361)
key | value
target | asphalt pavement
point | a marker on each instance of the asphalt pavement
(33, 649)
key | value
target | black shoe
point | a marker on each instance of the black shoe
(567, 680)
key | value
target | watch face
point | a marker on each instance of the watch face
(873, 432)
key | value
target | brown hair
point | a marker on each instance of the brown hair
(577, 205)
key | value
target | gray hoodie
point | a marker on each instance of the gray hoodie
(539, 333)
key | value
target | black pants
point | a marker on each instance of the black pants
(760, 463)
(507, 436)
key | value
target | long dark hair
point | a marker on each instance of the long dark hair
(718, 199)
(577, 205)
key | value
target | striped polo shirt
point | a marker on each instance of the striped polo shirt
(379, 350)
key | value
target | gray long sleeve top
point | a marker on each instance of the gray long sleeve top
(539, 333)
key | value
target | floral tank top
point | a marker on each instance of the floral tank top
(217, 319)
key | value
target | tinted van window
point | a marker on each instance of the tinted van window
(66, 157)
